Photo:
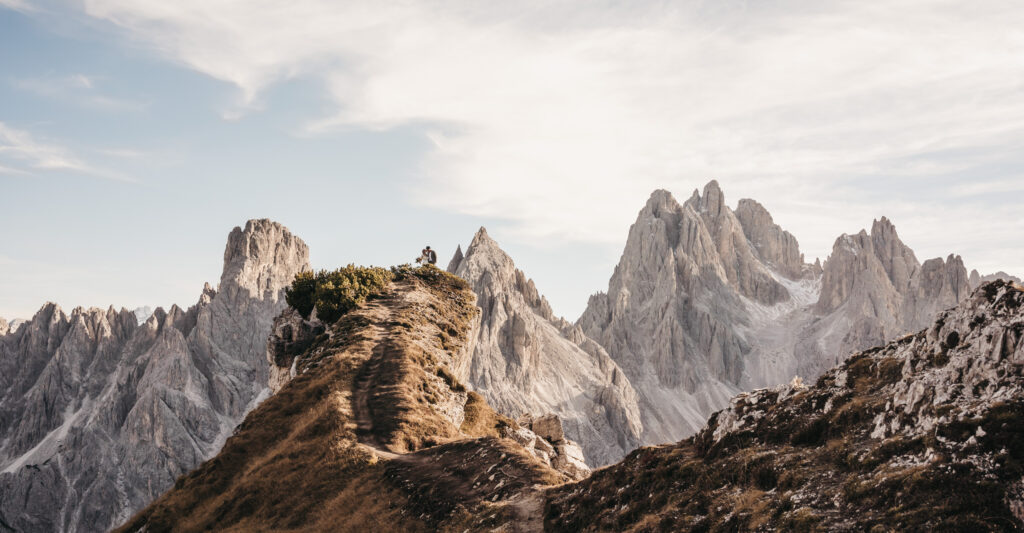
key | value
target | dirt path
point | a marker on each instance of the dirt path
(368, 377)
(420, 469)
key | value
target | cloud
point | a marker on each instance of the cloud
(560, 117)
(21, 153)
(16, 5)
(78, 89)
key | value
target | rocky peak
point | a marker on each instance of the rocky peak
(712, 201)
(977, 279)
(453, 265)
(262, 259)
(526, 360)
(897, 258)
(774, 245)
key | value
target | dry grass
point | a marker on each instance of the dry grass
(296, 462)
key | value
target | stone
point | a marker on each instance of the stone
(569, 460)
(548, 426)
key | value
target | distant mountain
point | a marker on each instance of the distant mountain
(707, 301)
(12, 326)
(977, 279)
(100, 414)
(925, 433)
(527, 361)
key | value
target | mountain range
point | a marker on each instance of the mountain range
(101, 413)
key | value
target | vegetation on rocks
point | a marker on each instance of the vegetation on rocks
(335, 292)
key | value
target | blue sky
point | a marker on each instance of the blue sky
(135, 135)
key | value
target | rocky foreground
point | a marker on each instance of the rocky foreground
(925, 433)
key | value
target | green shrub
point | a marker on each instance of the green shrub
(301, 295)
(334, 293)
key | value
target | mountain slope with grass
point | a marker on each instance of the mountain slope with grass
(368, 429)
(925, 433)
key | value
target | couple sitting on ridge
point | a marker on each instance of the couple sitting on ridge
(427, 257)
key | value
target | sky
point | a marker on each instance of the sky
(134, 134)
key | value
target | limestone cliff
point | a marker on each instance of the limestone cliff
(100, 414)
(526, 361)
(706, 302)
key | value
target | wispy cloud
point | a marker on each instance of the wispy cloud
(78, 89)
(17, 5)
(21, 153)
(560, 117)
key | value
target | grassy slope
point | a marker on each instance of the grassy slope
(298, 462)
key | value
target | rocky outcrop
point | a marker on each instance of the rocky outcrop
(290, 336)
(4, 327)
(921, 434)
(544, 437)
(976, 279)
(525, 360)
(706, 302)
(100, 414)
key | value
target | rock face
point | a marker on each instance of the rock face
(4, 327)
(922, 434)
(706, 302)
(525, 360)
(976, 279)
(873, 289)
(100, 414)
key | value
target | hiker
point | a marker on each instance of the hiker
(427, 256)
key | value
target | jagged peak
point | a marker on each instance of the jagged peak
(261, 260)
(661, 197)
(883, 226)
(457, 258)
(754, 205)
(713, 200)
(481, 239)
